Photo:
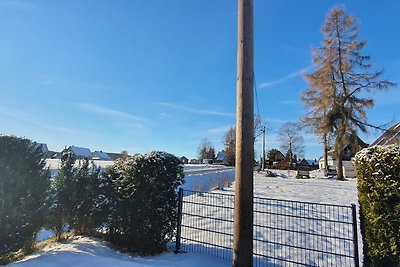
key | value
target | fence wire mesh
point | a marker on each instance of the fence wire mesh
(286, 233)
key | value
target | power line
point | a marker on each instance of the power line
(255, 90)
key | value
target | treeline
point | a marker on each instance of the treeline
(133, 201)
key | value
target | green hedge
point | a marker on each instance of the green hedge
(378, 172)
(24, 185)
(143, 200)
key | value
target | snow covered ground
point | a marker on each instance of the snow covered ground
(88, 252)
(295, 232)
(55, 164)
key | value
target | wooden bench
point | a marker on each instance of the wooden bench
(303, 174)
(331, 172)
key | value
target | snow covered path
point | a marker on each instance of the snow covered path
(87, 252)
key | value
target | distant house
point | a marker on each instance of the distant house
(184, 160)
(100, 155)
(194, 161)
(354, 145)
(308, 163)
(43, 147)
(208, 161)
(220, 156)
(115, 156)
(51, 154)
(80, 152)
(280, 164)
(390, 137)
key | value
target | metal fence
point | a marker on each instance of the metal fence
(286, 233)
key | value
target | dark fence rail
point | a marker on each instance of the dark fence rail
(286, 233)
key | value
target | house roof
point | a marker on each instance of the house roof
(310, 162)
(43, 147)
(390, 137)
(114, 156)
(101, 155)
(80, 151)
(221, 155)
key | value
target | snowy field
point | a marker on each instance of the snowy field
(55, 164)
(89, 252)
(290, 233)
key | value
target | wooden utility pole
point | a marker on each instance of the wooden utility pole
(243, 218)
(263, 149)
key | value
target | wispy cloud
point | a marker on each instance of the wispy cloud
(108, 112)
(136, 127)
(28, 118)
(128, 122)
(274, 120)
(46, 82)
(219, 130)
(19, 115)
(197, 111)
(290, 101)
(285, 78)
(17, 5)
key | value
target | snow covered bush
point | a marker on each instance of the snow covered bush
(88, 212)
(24, 184)
(78, 197)
(378, 173)
(143, 201)
(62, 195)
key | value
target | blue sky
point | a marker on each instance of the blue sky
(161, 75)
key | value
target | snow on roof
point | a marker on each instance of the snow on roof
(43, 147)
(391, 136)
(311, 162)
(221, 155)
(80, 151)
(100, 155)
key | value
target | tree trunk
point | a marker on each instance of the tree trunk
(339, 168)
(325, 155)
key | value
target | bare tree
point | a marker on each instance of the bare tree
(229, 138)
(291, 140)
(343, 77)
(229, 141)
(206, 150)
(318, 99)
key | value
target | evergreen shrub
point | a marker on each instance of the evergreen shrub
(77, 197)
(143, 201)
(88, 212)
(63, 191)
(378, 173)
(24, 185)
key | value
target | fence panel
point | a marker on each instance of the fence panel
(286, 233)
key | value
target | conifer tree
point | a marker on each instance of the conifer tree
(206, 150)
(343, 76)
(318, 97)
(87, 212)
(24, 185)
(63, 194)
